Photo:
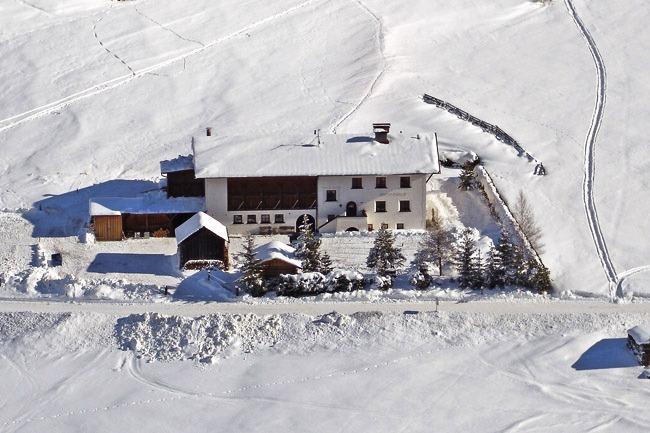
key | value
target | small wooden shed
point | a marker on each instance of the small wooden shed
(277, 258)
(107, 227)
(202, 238)
(638, 339)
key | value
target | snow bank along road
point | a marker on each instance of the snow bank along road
(317, 308)
(590, 144)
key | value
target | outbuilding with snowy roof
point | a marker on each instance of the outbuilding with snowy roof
(202, 238)
(277, 258)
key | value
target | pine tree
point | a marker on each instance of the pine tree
(468, 177)
(308, 251)
(493, 270)
(436, 247)
(478, 280)
(465, 261)
(539, 277)
(505, 272)
(384, 257)
(252, 278)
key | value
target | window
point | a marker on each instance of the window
(370, 227)
(330, 217)
(330, 195)
(357, 183)
(384, 226)
(237, 219)
(279, 218)
(265, 218)
(380, 206)
(251, 219)
(404, 206)
(405, 182)
(400, 226)
(380, 182)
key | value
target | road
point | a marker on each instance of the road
(317, 308)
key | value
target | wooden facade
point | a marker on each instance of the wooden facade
(184, 184)
(108, 227)
(203, 245)
(269, 193)
(273, 268)
(641, 351)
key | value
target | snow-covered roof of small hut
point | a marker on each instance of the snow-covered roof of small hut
(277, 250)
(197, 222)
(148, 204)
(337, 154)
(641, 334)
(180, 163)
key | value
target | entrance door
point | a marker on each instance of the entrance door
(351, 209)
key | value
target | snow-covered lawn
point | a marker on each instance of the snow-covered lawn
(367, 372)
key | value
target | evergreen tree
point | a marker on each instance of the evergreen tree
(436, 246)
(252, 278)
(504, 270)
(465, 260)
(308, 251)
(493, 270)
(384, 257)
(539, 278)
(468, 177)
(478, 280)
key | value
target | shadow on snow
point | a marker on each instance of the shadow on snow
(607, 353)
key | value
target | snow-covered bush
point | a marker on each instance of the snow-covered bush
(344, 281)
(421, 279)
(313, 283)
(308, 283)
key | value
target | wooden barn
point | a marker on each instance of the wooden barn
(181, 181)
(277, 258)
(116, 218)
(638, 339)
(202, 238)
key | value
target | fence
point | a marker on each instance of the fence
(498, 133)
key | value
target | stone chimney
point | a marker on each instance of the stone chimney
(381, 131)
(208, 131)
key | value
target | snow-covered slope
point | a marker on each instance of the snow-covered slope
(96, 90)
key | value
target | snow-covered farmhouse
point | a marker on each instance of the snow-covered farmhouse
(339, 182)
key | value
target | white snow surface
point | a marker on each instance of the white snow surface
(146, 204)
(640, 333)
(329, 155)
(198, 221)
(277, 250)
(294, 372)
(134, 80)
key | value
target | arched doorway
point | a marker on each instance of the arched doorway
(305, 219)
(352, 229)
(351, 209)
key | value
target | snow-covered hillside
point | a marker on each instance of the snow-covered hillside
(98, 90)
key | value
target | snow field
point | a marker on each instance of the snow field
(368, 371)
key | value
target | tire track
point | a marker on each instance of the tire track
(379, 35)
(121, 60)
(105, 86)
(164, 27)
(590, 149)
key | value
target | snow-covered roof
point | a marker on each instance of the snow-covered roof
(277, 250)
(641, 334)
(197, 222)
(180, 163)
(337, 154)
(147, 204)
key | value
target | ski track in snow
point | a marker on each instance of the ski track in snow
(590, 149)
(164, 27)
(119, 81)
(134, 371)
(380, 43)
(121, 60)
